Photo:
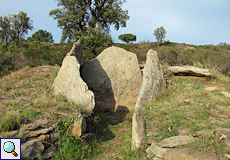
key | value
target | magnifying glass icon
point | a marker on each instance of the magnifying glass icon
(9, 147)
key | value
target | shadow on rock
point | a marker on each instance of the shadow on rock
(99, 82)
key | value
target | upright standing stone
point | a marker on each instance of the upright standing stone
(69, 82)
(115, 78)
(76, 51)
(152, 85)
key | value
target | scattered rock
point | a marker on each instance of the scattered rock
(79, 126)
(189, 71)
(189, 154)
(156, 150)
(49, 152)
(226, 94)
(38, 132)
(115, 78)
(152, 85)
(211, 88)
(31, 149)
(186, 101)
(70, 84)
(176, 141)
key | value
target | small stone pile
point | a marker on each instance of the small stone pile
(39, 137)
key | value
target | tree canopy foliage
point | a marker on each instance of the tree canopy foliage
(14, 27)
(160, 33)
(80, 15)
(42, 36)
(127, 37)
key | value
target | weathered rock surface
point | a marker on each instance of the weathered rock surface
(48, 153)
(176, 141)
(70, 84)
(153, 81)
(38, 132)
(154, 149)
(189, 154)
(79, 126)
(189, 71)
(77, 51)
(115, 78)
(31, 149)
(152, 85)
(138, 129)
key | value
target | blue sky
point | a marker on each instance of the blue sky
(195, 22)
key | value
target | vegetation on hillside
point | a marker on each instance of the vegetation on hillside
(213, 57)
(13, 57)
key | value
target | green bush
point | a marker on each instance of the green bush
(95, 41)
(6, 59)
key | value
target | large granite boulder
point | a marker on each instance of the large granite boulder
(115, 78)
(70, 84)
(152, 85)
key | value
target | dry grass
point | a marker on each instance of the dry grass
(170, 114)
(31, 89)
